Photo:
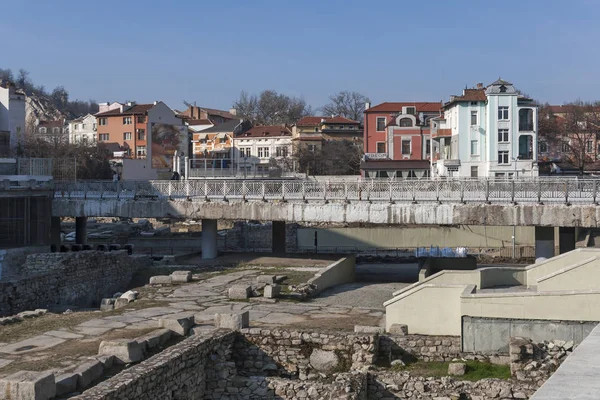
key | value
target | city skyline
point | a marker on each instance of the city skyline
(149, 51)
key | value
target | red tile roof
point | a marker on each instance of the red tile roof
(133, 110)
(397, 107)
(469, 95)
(267, 131)
(316, 121)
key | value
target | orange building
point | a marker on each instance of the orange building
(126, 125)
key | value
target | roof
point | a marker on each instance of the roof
(316, 121)
(470, 95)
(199, 121)
(228, 126)
(499, 82)
(397, 106)
(111, 146)
(52, 124)
(136, 109)
(268, 130)
(394, 164)
(220, 113)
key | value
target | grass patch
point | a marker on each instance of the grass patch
(476, 370)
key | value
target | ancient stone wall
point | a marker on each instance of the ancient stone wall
(425, 348)
(179, 372)
(292, 353)
(250, 237)
(81, 279)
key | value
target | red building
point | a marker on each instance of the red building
(397, 140)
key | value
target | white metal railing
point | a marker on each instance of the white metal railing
(540, 190)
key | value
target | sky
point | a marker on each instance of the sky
(390, 50)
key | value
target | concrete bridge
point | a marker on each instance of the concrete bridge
(543, 203)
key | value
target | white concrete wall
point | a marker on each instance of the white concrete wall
(581, 276)
(340, 272)
(555, 264)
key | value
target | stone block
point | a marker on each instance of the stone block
(181, 276)
(368, 329)
(240, 292)
(179, 325)
(120, 303)
(399, 329)
(66, 383)
(272, 291)
(324, 361)
(266, 279)
(28, 385)
(130, 295)
(235, 321)
(88, 373)
(457, 369)
(124, 351)
(106, 360)
(280, 278)
(154, 339)
(107, 304)
(160, 280)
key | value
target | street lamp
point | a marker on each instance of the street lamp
(514, 234)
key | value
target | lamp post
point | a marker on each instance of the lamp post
(514, 234)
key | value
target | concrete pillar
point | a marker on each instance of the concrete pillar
(81, 230)
(544, 242)
(566, 239)
(209, 239)
(278, 240)
(55, 232)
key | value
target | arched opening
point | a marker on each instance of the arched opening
(526, 119)
(405, 122)
(525, 147)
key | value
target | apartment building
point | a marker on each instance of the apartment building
(83, 130)
(486, 132)
(262, 148)
(397, 141)
(12, 117)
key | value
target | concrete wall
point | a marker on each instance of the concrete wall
(529, 214)
(340, 272)
(537, 271)
(417, 236)
(427, 310)
(491, 335)
(582, 276)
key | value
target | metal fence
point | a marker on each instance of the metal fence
(454, 191)
(61, 169)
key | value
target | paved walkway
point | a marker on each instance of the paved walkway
(578, 377)
(61, 348)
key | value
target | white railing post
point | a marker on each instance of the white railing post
(304, 191)
(263, 190)
(243, 190)
(283, 191)
(205, 189)
(225, 190)
(390, 190)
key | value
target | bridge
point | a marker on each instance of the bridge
(543, 203)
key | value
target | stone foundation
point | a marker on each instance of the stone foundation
(425, 348)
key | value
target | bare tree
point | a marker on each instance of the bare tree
(334, 157)
(347, 104)
(271, 108)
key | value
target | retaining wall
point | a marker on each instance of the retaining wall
(340, 272)
(80, 279)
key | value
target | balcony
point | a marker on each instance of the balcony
(526, 120)
(445, 132)
(451, 163)
(525, 126)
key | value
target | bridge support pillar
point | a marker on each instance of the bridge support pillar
(566, 239)
(544, 242)
(81, 230)
(278, 241)
(209, 239)
(55, 232)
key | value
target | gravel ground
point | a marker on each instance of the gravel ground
(359, 294)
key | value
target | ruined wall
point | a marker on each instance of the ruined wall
(425, 348)
(81, 278)
(251, 237)
(178, 372)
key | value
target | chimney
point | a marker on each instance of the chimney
(131, 103)
(233, 111)
(367, 105)
(155, 102)
(480, 85)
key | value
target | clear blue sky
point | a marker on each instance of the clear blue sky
(208, 51)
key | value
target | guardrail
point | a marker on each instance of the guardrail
(541, 191)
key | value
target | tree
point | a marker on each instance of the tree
(334, 157)
(271, 108)
(347, 104)
(6, 74)
(574, 130)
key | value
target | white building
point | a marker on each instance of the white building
(12, 118)
(262, 148)
(486, 132)
(83, 130)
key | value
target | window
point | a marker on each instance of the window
(316, 129)
(474, 172)
(406, 147)
(75, 127)
(83, 127)
(203, 141)
(312, 148)
(140, 151)
(42, 130)
(55, 130)
(127, 136)
(94, 126)
(411, 110)
(566, 146)
(503, 157)
(102, 121)
(502, 135)
(141, 134)
(543, 147)
(263, 152)
(428, 147)
(103, 137)
(380, 124)
(248, 152)
(502, 89)
(473, 118)
(351, 127)
(84, 140)
(473, 103)
(406, 122)
(141, 119)
(474, 147)
(281, 151)
(223, 140)
(589, 146)
(502, 112)
(380, 147)
(126, 120)
(341, 127)
(245, 152)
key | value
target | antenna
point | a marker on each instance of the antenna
(187, 104)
